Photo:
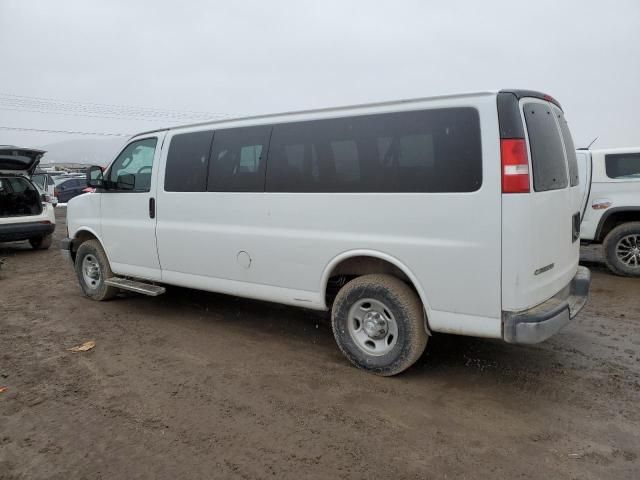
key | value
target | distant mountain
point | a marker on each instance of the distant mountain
(90, 151)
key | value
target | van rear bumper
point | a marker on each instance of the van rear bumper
(541, 322)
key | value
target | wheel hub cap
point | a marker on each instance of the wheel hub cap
(372, 326)
(91, 273)
(375, 326)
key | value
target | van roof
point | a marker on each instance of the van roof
(519, 93)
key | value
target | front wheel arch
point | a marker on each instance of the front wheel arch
(80, 237)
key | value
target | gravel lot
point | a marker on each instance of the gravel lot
(199, 385)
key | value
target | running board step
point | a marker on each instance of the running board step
(133, 286)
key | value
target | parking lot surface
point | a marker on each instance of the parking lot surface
(200, 385)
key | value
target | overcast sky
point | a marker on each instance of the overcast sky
(238, 57)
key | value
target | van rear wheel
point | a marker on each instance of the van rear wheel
(378, 324)
(92, 269)
(622, 249)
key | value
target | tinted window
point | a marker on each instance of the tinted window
(547, 153)
(134, 165)
(187, 162)
(423, 151)
(623, 165)
(238, 159)
(569, 148)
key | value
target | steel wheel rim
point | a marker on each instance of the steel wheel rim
(372, 327)
(628, 250)
(91, 273)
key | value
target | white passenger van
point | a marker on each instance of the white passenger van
(455, 214)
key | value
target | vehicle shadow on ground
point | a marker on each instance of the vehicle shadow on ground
(17, 248)
(285, 324)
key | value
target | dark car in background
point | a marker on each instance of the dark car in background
(69, 187)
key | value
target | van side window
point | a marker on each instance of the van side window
(569, 147)
(132, 169)
(238, 159)
(623, 165)
(436, 150)
(547, 154)
(187, 162)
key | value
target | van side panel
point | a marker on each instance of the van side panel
(270, 245)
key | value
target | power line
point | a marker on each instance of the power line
(107, 104)
(110, 117)
(127, 112)
(42, 130)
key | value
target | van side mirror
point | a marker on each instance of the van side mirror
(95, 177)
(126, 181)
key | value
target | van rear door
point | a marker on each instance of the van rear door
(540, 219)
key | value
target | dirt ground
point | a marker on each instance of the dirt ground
(199, 385)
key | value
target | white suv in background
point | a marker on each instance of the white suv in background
(611, 205)
(25, 212)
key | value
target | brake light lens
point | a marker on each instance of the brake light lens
(515, 165)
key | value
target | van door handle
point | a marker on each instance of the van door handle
(152, 207)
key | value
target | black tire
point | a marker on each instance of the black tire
(611, 244)
(98, 291)
(403, 305)
(41, 243)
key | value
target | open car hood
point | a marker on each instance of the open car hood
(18, 160)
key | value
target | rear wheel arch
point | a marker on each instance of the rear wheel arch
(356, 263)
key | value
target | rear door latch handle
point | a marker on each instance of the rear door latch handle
(152, 207)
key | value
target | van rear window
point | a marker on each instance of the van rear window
(623, 165)
(569, 147)
(547, 153)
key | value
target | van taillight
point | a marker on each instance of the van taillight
(515, 165)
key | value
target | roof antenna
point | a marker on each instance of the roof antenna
(594, 141)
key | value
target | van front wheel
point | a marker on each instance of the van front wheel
(378, 324)
(622, 249)
(92, 269)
